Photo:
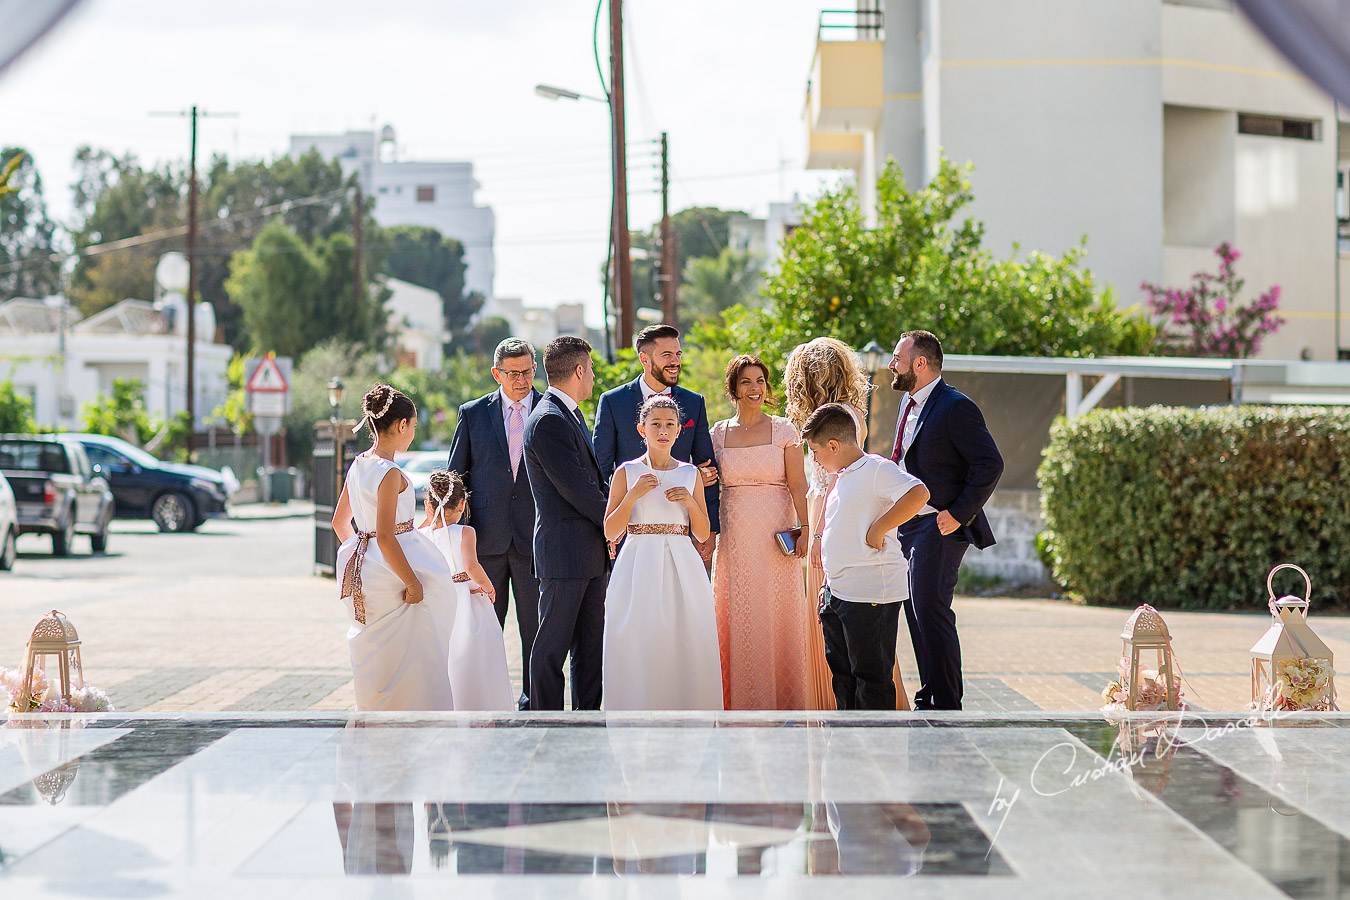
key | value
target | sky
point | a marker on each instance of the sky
(456, 79)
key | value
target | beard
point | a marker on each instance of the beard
(905, 382)
(661, 376)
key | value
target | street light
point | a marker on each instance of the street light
(549, 92)
(336, 391)
(871, 357)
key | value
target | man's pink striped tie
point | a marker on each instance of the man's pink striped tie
(515, 436)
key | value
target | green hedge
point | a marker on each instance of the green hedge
(1190, 508)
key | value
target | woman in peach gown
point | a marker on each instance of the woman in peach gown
(825, 370)
(761, 627)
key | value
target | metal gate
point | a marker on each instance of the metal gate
(332, 457)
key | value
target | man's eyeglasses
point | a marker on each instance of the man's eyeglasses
(519, 375)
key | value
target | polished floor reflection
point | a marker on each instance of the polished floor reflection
(1030, 805)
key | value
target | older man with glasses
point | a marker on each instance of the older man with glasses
(488, 451)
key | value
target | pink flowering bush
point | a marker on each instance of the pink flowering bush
(1206, 319)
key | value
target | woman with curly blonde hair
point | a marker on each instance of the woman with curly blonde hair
(824, 370)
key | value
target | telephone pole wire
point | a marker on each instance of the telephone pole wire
(191, 298)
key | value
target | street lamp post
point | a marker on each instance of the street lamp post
(871, 357)
(336, 391)
(619, 237)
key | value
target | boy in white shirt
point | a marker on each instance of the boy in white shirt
(866, 577)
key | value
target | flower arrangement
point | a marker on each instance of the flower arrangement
(1300, 685)
(82, 700)
(1152, 690)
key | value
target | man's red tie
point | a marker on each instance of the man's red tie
(900, 432)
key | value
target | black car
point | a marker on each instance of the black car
(56, 490)
(177, 497)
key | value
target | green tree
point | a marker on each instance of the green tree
(122, 415)
(919, 268)
(359, 370)
(702, 231)
(713, 284)
(277, 285)
(118, 199)
(27, 235)
(423, 256)
(16, 411)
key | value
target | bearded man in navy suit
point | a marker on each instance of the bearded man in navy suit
(616, 435)
(940, 439)
(488, 451)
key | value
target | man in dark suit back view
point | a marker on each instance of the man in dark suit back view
(488, 450)
(570, 557)
(940, 439)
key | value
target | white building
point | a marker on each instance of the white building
(1158, 128)
(537, 324)
(62, 369)
(417, 320)
(438, 195)
(763, 238)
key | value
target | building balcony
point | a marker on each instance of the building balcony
(844, 94)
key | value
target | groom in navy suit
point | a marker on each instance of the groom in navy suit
(940, 439)
(488, 450)
(569, 532)
(616, 435)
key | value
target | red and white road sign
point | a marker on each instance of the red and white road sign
(267, 378)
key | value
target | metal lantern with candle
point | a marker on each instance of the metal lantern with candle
(1291, 666)
(1146, 632)
(54, 636)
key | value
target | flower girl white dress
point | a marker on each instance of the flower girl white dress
(660, 646)
(398, 650)
(478, 670)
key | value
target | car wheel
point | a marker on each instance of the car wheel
(173, 512)
(9, 551)
(98, 543)
(63, 541)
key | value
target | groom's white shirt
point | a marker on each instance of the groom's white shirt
(572, 405)
(912, 426)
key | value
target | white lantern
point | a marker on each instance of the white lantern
(54, 637)
(1145, 632)
(1291, 666)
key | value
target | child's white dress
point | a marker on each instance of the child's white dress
(478, 671)
(399, 651)
(660, 647)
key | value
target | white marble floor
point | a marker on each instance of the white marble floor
(591, 805)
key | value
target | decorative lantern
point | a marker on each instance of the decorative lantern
(1291, 666)
(54, 636)
(1145, 631)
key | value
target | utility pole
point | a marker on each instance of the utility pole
(623, 262)
(670, 254)
(191, 298)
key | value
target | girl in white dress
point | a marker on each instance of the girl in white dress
(660, 647)
(479, 675)
(395, 583)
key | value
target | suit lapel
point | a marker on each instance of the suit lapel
(934, 399)
(682, 398)
(498, 425)
(571, 417)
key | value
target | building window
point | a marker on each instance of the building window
(1274, 126)
(426, 193)
(384, 190)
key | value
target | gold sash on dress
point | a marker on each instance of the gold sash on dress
(351, 576)
(659, 529)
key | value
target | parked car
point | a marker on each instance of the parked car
(418, 466)
(176, 497)
(9, 526)
(57, 490)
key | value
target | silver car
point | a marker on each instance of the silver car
(9, 526)
(418, 468)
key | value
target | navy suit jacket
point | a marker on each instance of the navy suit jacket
(501, 507)
(569, 494)
(954, 455)
(617, 439)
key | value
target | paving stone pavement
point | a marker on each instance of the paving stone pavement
(232, 618)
